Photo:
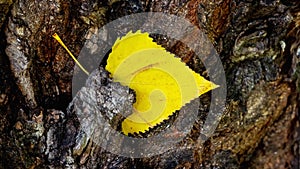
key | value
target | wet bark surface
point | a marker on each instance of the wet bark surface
(258, 43)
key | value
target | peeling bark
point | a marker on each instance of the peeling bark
(258, 43)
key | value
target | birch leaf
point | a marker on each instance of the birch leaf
(163, 84)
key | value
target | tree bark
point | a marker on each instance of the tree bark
(259, 46)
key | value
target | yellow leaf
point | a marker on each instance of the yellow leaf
(163, 84)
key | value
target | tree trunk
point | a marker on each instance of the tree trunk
(258, 43)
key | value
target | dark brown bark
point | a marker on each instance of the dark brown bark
(258, 43)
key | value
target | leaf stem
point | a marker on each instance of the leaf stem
(56, 37)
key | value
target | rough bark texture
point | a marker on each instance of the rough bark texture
(259, 45)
